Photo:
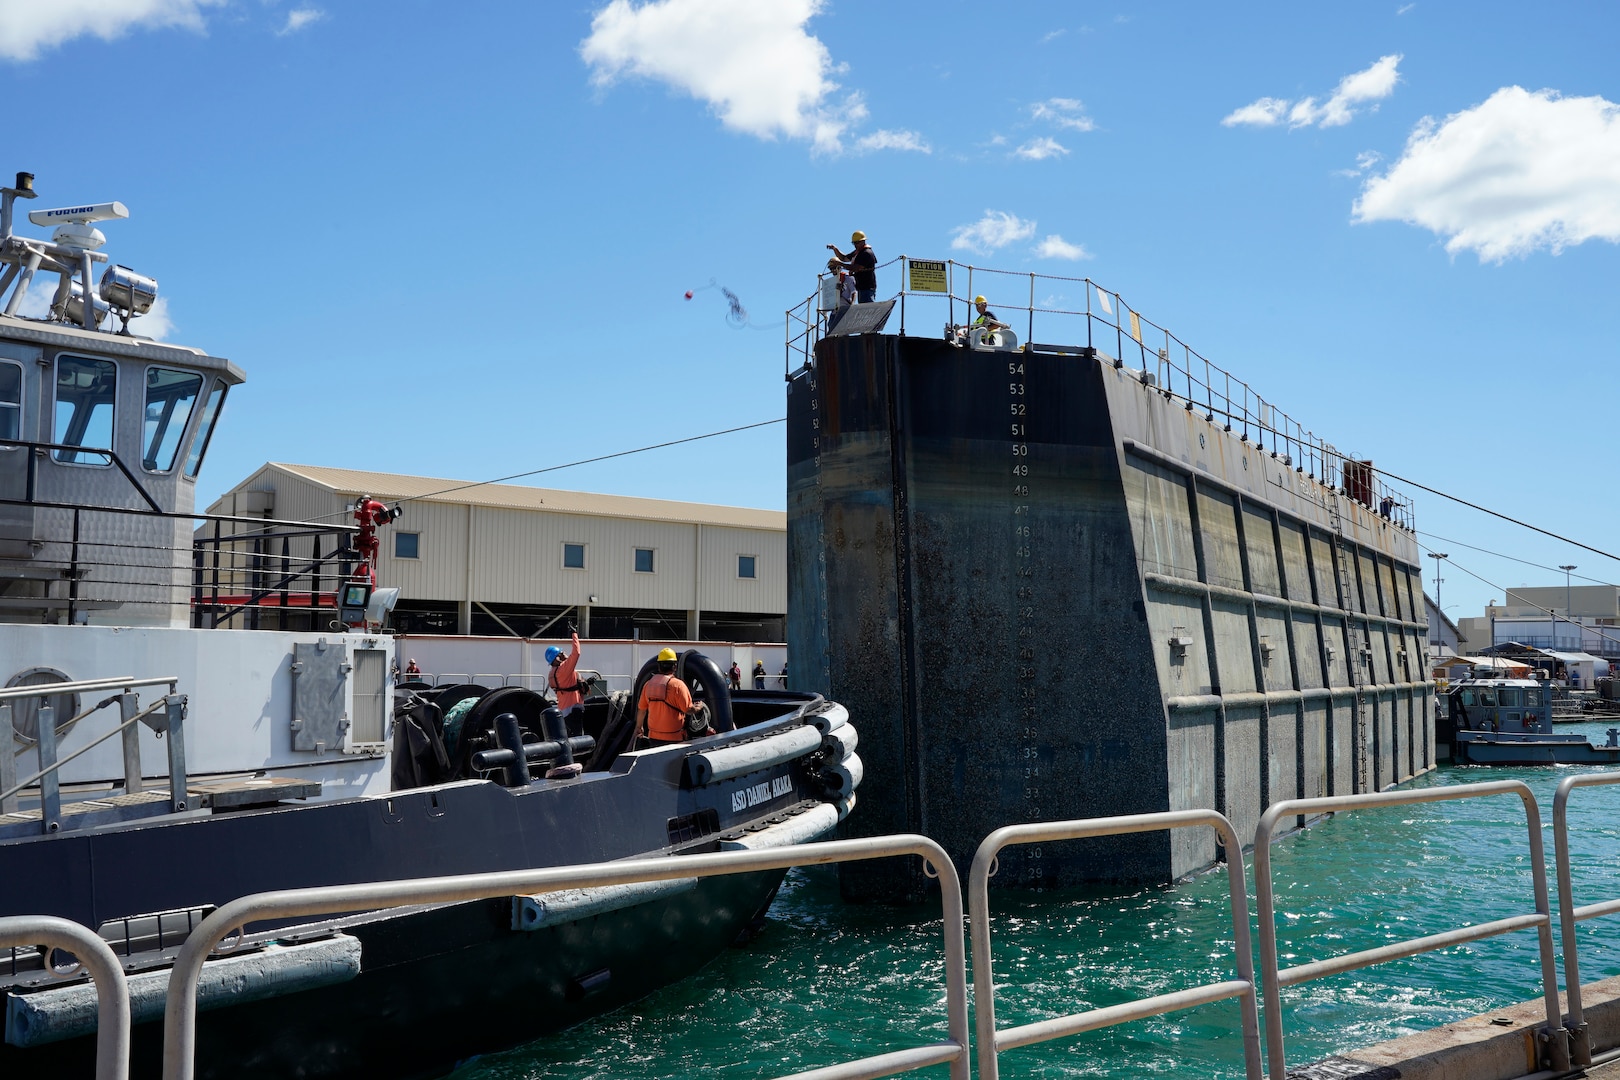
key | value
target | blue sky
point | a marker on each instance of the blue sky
(477, 222)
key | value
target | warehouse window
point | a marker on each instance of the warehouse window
(746, 566)
(573, 556)
(407, 545)
(644, 560)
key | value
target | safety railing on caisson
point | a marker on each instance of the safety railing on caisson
(1079, 312)
(1554, 1039)
(990, 1041)
(180, 1016)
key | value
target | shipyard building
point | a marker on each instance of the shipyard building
(502, 559)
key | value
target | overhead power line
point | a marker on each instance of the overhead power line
(572, 464)
(1504, 517)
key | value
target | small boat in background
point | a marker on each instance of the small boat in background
(1509, 722)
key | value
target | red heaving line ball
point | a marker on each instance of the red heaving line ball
(689, 294)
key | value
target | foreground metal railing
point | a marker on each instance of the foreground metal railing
(180, 1016)
(1580, 1049)
(1553, 1036)
(990, 1042)
(1562, 1041)
(94, 956)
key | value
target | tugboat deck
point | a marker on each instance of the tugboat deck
(234, 794)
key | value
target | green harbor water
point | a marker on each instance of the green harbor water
(826, 982)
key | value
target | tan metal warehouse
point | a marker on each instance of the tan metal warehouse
(504, 559)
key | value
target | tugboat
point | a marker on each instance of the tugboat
(273, 758)
(1509, 722)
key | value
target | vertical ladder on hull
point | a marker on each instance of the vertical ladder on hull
(1356, 646)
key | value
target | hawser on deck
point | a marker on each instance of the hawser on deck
(1065, 581)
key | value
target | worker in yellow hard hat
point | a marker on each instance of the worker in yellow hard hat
(664, 703)
(861, 262)
(987, 318)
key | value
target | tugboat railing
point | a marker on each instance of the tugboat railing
(1580, 1050)
(1553, 1035)
(990, 1042)
(171, 704)
(1113, 328)
(228, 922)
(94, 956)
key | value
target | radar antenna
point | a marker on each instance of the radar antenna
(70, 253)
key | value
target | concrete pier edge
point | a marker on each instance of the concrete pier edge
(1496, 1045)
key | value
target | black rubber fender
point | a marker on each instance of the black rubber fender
(616, 736)
(716, 687)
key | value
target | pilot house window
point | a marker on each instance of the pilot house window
(86, 391)
(170, 397)
(10, 400)
(205, 429)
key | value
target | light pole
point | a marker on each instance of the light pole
(1437, 556)
(1568, 611)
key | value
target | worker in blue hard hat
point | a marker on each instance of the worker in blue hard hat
(566, 685)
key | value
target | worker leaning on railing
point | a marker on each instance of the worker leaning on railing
(987, 318)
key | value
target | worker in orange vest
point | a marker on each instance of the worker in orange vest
(569, 690)
(665, 701)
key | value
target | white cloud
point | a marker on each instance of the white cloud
(36, 302)
(1055, 247)
(1371, 84)
(298, 18)
(155, 324)
(1263, 113)
(753, 63)
(27, 28)
(1053, 35)
(1040, 149)
(1404, 8)
(995, 230)
(1520, 171)
(884, 139)
(1064, 112)
(1364, 161)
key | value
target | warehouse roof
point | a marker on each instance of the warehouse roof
(392, 486)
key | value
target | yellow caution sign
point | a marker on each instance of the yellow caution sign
(928, 276)
(1136, 328)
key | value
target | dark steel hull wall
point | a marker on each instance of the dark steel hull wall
(1048, 591)
(961, 561)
